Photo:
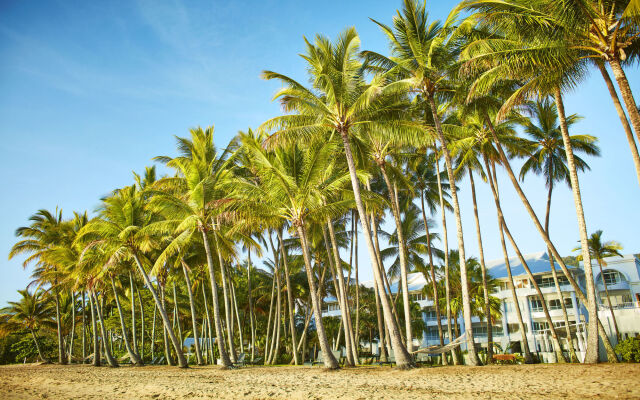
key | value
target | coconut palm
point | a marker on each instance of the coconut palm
(549, 159)
(342, 103)
(118, 230)
(32, 312)
(601, 250)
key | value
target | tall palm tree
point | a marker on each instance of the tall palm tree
(46, 231)
(548, 158)
(119, 231)
(601, 250)
(424, 57)
(342, 103)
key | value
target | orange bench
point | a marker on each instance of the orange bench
(510, 358)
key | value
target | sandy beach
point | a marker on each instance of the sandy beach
(496, 382)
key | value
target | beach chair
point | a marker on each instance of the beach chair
(391, 359)
(256, 361)
(422, 358)
(240, 362)
(319, 360)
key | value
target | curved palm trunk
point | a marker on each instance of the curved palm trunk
(432, 273)
(277, 320)
(403, 358)
(224, 356)
(84, 328)
(592, 340)
(35, 340)
(141, 324)
(356, 333)
(403, 257)
(182, 361)
(485, 289)
(528, 358)
(554, 335)
(447, 290)
(565, 316)
(165, 339)
(338, 277)
(623, 118)
(192, 306)
(227, 305)
(208, 322)
(267, 348)
(96, 340)
(107, 351)
(73, 325)
(237, 314)
(134, 339)
(329, 360)
(251, 316)
(292, 325)
(61, 352)
(611, 355)
(627, 95)
(466, 299)
(135, 359)
(606, 290)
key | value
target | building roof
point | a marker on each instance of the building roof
(538, 263)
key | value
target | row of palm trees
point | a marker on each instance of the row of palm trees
(364, 139)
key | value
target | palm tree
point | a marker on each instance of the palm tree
(424, 57)
(342, 103)
(46, 231)
(119, 231)
(601, 250)
(31, 312)
(294, 185)
(549, 159)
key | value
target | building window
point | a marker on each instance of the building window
(568, 303)
(332, 307)
(554, 304)
(536, 304)
(431, 314)
(547, 281)
(540, 326)
(419, 296)
(611, 277)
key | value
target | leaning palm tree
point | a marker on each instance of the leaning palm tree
(118, 232)
(32, 312)
(342, 103)
(424, 58)
(193, 203)
(548, 158)
(601, 250)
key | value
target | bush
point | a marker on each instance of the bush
(629, 349)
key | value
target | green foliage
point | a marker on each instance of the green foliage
(571, 261)
(25, 348)
(629, 349)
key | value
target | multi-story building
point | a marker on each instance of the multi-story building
(621, 274)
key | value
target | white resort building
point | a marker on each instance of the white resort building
(621, 275)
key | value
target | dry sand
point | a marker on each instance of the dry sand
(495, 382)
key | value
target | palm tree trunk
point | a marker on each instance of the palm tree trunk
(209, 328)
(227, 305)
(611, 355)
(165, 339)
(107, 351)
(329, 360)
(623, 118)
(356, 333)
(309, 314)
(565, 316)
(592, 340)
(606, 290)
(493, 182)
(182, 361)
(224, 356)
(267, 348)
(141, 353)
(485, 289)
(234, 299)
(96, 341)
(134, 340)
(403, 358)
(403, 257)
(61, 352)
(292, 325)
(192, 305)
(337, 274)
(627, 95)
(447, 287)
(177, 314)
(153, 333)
(466, 299)
(251, 316)
(277, 321)
(35, 340)
(135, 359)
(73, 325)
(84, 328)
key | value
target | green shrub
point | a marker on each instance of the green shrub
(629, 349)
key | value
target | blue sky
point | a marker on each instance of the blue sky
(92, 91)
